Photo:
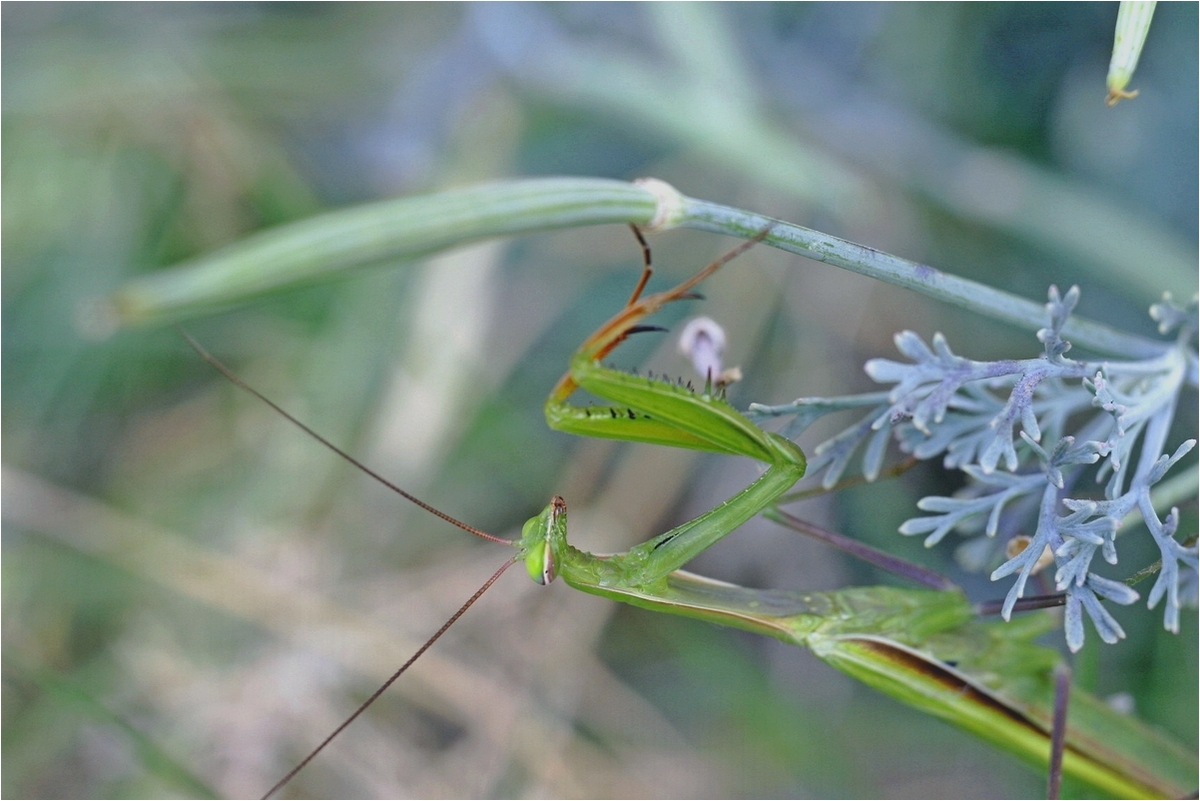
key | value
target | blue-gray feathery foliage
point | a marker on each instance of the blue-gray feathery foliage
(1026, 432)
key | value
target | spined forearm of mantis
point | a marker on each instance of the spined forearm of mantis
(926, 648)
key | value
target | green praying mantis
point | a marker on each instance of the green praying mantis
(927, 648)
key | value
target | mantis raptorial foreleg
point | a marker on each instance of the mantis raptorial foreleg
(654, 411)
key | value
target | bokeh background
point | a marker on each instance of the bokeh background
(194, 594)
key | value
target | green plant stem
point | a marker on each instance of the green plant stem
(409, 227)
(975, 297)
(329, 244)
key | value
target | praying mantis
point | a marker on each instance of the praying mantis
(924, 647)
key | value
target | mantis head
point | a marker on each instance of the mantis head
(539, 538)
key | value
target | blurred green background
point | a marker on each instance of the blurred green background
(194, 594)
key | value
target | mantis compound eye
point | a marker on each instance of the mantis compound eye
(540, 564)
(538, 538)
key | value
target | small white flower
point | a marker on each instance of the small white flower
(703, 342)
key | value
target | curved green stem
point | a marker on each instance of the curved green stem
(329, 245)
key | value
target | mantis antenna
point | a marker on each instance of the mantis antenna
(225, 371)
(233, 377)
(383, 687)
